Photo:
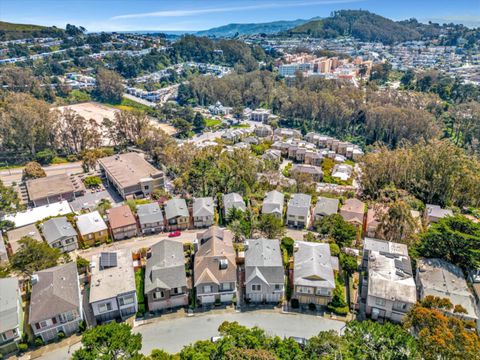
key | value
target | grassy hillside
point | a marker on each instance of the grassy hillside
(11, 31)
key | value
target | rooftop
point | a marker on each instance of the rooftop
(313, 265)
(39, 213)
(57, 228)
(90, 223)
(9, 301)
(384, 246)
(203, 206)
(149, 213)
(176, 207)
(49, 186)
(15, 235)
(120, 216)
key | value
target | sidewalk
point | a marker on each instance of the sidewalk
(68, 342)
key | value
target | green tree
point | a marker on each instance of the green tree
(455, 239)
(199, 122)
(9, 200)
(287, 243)
(271, 226)
(334, 226)
(45, 157)
(348, 263)
(110, 342)
(397, 224)
(157, 354)
(109, 86)
(326, 345)
(34, 256)
(92, 181)
(103, 206)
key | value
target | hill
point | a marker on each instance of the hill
(11, 31)
(231, 30)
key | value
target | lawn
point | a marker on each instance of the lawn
(240, 126)
(139, 283)
(129, 105)
(212, 122)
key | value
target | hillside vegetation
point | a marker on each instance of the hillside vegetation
(11, 31)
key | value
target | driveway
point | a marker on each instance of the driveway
(173, 334)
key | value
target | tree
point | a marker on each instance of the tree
(34, 256)
(454, 239)
(157, 354)
(348, 263)
(109, 86)
(342, 232)
(78, 134)
(45, 157)
(33, 170)
(271, 226)
(9, 200)
(324, 345)
(183, 127)
(287, 243)
(92, 181)
(103, 206)
(110, 342)
(128, 128)
(199, 122)
(397, 224)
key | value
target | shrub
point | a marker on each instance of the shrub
(72, 158)
(334, 249)
(295, 304)
(22, 347)
(82, 326)
(61, 335)
(45, 157)
(287, 244)
(312, 307)
(39, 341)
(92, 181)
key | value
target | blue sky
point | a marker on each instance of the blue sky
(177, 15)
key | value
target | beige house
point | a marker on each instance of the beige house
(122, 223)
(353, 211)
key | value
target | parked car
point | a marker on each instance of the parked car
(174, 234)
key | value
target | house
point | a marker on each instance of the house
(122, 222)
(150, 218)
(177, 215)
(14, 236)
(325, 207)
(60, 234)
(55, 302)
(381, 246)
(313, 273)
(391, 290)
(260, 115)
(272, 155)
(54, 188)
(342, 171)
(92, 228)
(298, 211)
(215, 269)
(11, 315)
(273, 204)
(287, 133)
(203, 212)
(112, 286)
(314, 171)
(131, 174)
(437, 277)
(263, 130)
(433, 213)
(32, 215)
(165, 277)
(264, 272)
(313, 158)
(353, 211)
(233, 201)
(374, 219)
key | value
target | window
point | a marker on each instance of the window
(301, 217)
(305, 290)
(256, 287)
(43, 324)
(226, 286)
(68, 316)
(380, 302)
(69, 241)
(89, 236)
(104, 307)
(278, 287)
(146, 187)
(207, 289)
(158, 294)
(177, 290)
(126, 300)
(323, 292)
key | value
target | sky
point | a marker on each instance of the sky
(189, 15)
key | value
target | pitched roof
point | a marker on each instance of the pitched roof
(273, 203)
(263, 259)
(215, 245)
(326, 206)
(203, 206)
(233, 200)
(15, 235)
(176, 207)
(165, 267)
(313, 265)
(90, 223)
(149, 213)
(9, 303)
(353, 210)
(56, 291)
(299, 205)
(120, 216)
(57, 228)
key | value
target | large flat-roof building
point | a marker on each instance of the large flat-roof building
(52, 189)
(131, 174)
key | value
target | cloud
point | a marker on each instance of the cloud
(192, 12)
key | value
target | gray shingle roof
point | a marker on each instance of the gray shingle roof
(165, 268)
(57, 228)
(9, 293)
(56, 292)
(273, 203)
(149, 213)
(263, 259)
(313, 265)
(233, 200)
(176, 207)
(203, 206)
(326, 206)
(299, 205)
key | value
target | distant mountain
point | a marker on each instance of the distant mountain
(11, 31)
(231, 30)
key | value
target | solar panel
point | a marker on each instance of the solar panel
(108, 259)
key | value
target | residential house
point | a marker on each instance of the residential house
(177, 215)
(14, 236)
(92, 228)
(215, 269)
(374, 218)
(391, 291)
(203, 212)
(112, 286)
(54, 188)
(60, 234)
(273, 204)
(342, 171)
(298, 211)
(11, 315)
(131, 174)
(325, 207)
(287, 133)
(433, 213)
(260, 115)
(437, 277)
(382, 246)
(263, 130)
(55, 302)
(314, 171)
(264, 272)
(150, 218)
(233, 201)
(313, 158)
(353, 211)
(165, 277)
(272, 155)
(32, 215)
(313, 274)
(122, 222)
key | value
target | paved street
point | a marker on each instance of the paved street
(15, 175)
(173, 334)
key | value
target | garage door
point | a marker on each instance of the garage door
(255, 297)
(226, 297)
(209, 299)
